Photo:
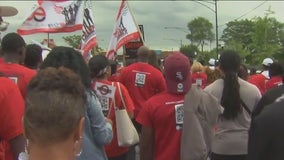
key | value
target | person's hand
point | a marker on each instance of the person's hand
(108, 120)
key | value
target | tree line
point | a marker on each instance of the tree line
(255, 39)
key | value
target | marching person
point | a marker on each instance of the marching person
(97, 128)
(237, 97)
(100, 71)
(54, 116)
(162, 115)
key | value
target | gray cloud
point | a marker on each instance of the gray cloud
(154, 15)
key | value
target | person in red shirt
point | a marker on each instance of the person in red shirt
(142, 81)
(197, 76)
(11, 111)
(162, 115)
(259, 81)
(100, 71)
(275, 74)
(13, 47)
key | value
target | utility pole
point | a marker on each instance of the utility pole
(216, 22)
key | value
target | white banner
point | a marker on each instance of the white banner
(89, 39)
(125, 30)
(53, 17)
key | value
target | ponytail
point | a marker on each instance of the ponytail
(231, 96)
(231, 100)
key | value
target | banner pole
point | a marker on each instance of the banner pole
(47, 40)
(130, 10)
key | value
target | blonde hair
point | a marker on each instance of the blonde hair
(196, 67)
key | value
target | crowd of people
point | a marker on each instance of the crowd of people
(60, 107)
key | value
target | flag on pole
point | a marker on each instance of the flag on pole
(89, 38)
(54, 16)
(125, 30)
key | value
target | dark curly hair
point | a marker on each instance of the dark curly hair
(69, 58)
(54, 105)
(230, 62)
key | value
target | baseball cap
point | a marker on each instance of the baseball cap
(97, 65)
(212, 61)
(177, 73)
(267, 61)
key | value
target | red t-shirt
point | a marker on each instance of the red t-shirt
(273, 82)
(1, 60)
(199, 78)
(11, 112)
(259, 81)
(21, 75)
(112, 149)
(164, 114)
(142, 81)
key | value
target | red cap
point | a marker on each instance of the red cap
(177, 73)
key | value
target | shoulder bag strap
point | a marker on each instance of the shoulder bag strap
(121, 97)
(245, 107)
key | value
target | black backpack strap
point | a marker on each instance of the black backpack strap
(246, 107)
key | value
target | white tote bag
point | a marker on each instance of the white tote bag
(126, 132)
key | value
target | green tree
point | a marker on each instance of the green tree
(200, 32)
(239, 47)
(238, 31)
(255, 39)
(73, 40)
(189, 50)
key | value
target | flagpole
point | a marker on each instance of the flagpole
(47, 40)
(130, 10)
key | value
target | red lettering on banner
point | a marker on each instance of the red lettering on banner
(133, 45)
(38, 15)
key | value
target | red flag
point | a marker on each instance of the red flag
(125, 30)
(89, 39)
(54, 16)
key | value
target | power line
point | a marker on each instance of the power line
(246, 12)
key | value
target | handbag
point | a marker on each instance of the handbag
(126, 132)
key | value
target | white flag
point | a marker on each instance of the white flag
(124, 30)
(54, 16)
(89, 39)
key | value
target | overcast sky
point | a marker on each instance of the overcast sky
(155, 16)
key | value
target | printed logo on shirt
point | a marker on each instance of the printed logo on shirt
(179, 116)
(105, 103)
(14, 79)
(198, 81)
(140, 79)
(105, 93)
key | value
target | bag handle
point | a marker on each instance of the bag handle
(245, 107)
(120, 94)
(113, 100)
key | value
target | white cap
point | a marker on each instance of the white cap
(267, 61)
(212, 61)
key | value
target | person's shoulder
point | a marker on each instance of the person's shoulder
(24, 69)
(274, 93)
(6, 83)
(257, 76)
(159, 97)
(214, 84)
(273, 112)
